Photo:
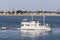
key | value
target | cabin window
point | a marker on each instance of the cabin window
(27, 25)
(22, 25)
(35, 21)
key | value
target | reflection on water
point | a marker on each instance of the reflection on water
(33, 33)
(30, 34)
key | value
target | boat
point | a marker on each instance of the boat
(35, 25)
(4, 28)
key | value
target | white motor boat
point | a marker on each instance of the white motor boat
(35, 25)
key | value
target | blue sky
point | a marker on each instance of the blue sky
(48, 5)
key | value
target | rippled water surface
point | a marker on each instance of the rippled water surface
(15, 22)
(29, 34)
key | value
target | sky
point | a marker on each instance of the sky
(31, 5)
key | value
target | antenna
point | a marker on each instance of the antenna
(43, 18)
(32, 17)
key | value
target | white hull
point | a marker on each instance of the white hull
(36, 28)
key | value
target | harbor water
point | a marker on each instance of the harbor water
(15, 22)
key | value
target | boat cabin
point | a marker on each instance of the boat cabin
(32, 23)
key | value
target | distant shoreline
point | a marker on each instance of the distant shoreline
(31, 15)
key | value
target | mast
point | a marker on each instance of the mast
(43, 18)
(32, 17)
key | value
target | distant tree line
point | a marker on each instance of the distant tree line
(19, 11)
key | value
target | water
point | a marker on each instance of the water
(14, 22)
